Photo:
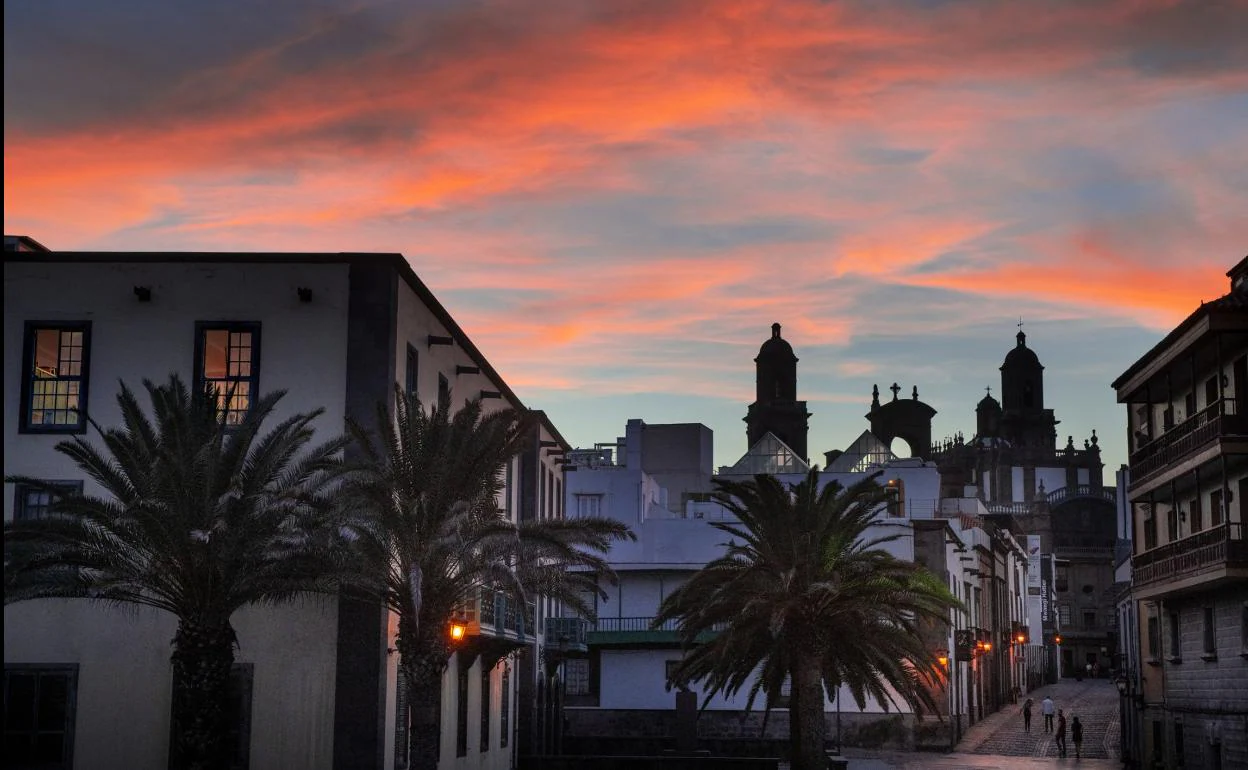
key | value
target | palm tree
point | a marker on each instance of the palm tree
(430, 536)
(802, 594)
(196, 518)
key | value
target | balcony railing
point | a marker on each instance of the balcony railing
(612, 625)
(566, 633)
(1220, 546)
(494, 613)
(1221, 418)
(1083, 490)
(637, 630)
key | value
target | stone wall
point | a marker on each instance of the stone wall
(1207, 695)
(731, 733)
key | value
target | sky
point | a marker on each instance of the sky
(616, 199)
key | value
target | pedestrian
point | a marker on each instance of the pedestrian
(1046, 708)
(1060, 736)
(1088, 668)
(1076, 733)
(1027, 716)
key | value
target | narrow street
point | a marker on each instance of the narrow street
(998, 742)
(1095, 702)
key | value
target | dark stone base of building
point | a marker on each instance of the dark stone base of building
(735, 734)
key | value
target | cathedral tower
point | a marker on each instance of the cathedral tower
(776, 409)
(1024, 420)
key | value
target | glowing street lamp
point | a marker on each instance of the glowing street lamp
(458, 630)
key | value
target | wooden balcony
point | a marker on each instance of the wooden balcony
(1185, 439)
(496, 616)
(1201, 560)
(567, 634)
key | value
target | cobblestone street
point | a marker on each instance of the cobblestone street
(999, 742)
(1095, 702)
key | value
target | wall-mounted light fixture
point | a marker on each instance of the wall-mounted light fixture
(144, 293)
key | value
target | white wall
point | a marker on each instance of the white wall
(124, 676)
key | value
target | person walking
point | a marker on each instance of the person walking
(1060, 736)
(1076, 733)
(1046, 708)
(1027, 716)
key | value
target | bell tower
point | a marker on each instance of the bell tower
(776, 409)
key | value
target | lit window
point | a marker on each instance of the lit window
(227, 363)
(54, 389)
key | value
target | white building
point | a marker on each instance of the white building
(316, 680)
(617, 693)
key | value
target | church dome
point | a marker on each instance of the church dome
(988, 403)
(1021, 357)
(776, 347)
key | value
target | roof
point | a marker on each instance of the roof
(776, 346)
(1021, 355)
(396, 260)
(867, 452)
(768, 455)
(1235, 301)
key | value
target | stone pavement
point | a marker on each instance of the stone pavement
(863, 760)
(1094, 701)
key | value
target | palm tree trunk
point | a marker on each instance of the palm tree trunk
(423, 660)
(203, 655)
(807, 720)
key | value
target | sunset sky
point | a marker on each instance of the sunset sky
(617, 198)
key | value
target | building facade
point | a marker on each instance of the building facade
(1057, 495)
(316, 680)
(618, 699)
(1188, 439)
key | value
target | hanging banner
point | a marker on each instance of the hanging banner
(1033, 564)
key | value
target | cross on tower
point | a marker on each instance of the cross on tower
(1020, 323)
(988, 390)
(896, 389)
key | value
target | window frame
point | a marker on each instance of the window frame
(1209, 633)
(84, 377)
(197, 369)
(73, 486)
(70, 671)
(411, 374)
(1175, 628)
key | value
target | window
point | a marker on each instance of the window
(55, 363)
(1243, 630)
(1211, 635)
(1063, 615)
(461, 711)
(1062, 579)
(412, 371)
(504, 716)
(39, 706)
(1215, 508)
(589, 505)
(1172, 524)
(1089, 620)
(237, 716)
(444, 390)
(485, 709)
(1154, 638)
(669, 672)
(1176, 638)
(1178, 745)
(1196, 515)
(576, 676)
(1150, 528)
(30, 502)
(227, 362)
